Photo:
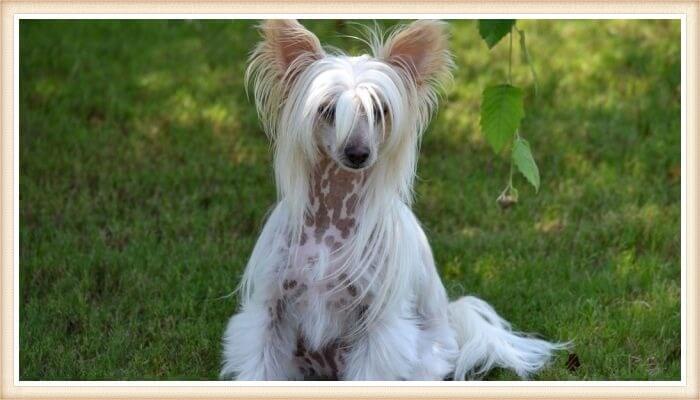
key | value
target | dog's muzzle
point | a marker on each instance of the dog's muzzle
(356, 156)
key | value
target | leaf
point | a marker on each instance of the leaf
(493, 30)
(522, 158)
(501, 112)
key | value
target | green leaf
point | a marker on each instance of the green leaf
(522, 158)
(493, 30)
(501, 112)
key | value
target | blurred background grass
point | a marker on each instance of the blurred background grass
(145, 179)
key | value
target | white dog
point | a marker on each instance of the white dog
(342, 283)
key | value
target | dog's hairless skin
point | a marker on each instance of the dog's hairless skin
(342, 283)
(333, 197)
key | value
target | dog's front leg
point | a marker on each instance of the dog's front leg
(386, 351)
(259, 344)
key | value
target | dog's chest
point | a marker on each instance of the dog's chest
(333, 196)
(330, 223)
(318, 294)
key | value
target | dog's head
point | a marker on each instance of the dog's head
(356, 109)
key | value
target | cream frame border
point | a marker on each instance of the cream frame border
(11, 388)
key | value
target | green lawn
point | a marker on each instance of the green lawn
(145, 179)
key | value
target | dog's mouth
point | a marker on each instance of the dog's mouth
(353, 166)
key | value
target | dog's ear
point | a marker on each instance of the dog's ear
(290, 45)
(421, 50)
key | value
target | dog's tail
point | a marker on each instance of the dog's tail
(486, 340)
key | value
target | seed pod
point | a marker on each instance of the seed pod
(506, 200)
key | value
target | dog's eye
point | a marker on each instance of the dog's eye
(327, 112)
(379, 111)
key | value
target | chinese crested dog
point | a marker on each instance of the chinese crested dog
(342, 283)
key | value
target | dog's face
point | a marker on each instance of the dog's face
(356, 102)
(354, 109)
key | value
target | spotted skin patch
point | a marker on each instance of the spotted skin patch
(334, 195)
(326, 363)
(334, 198)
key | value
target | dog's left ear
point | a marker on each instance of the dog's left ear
(421, 50)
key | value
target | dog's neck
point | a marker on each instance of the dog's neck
(334, 194)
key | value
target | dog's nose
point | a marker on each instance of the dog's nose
(357, 155)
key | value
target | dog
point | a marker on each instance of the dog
(341, 284)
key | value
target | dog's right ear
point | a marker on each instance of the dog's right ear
(291, 46)
(286, 50)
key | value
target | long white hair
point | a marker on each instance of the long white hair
(292, 77)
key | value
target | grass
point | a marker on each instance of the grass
(145, 179)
